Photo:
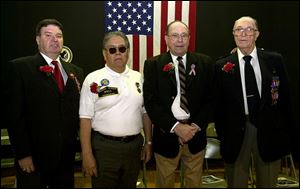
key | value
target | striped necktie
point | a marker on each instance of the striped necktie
(182, 78)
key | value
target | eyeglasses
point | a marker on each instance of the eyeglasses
(247, 31)
(113, 50)
(176, 36)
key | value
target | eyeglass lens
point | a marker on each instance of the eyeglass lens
(183, 36)
(113, 50)
(247, 31)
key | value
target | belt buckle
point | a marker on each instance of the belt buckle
(124, 139)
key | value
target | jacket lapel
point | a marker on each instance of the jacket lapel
(72, 81)
(237, 78)
(48, 77)
(171, 74)
(190, 60)
(266, 77)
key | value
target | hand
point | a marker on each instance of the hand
(185, 132)
(89, 165)
(26, 164)
(180, 140)
(194, 125)
(147, 152)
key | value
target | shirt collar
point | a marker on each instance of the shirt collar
(49, 60)
(174, 58)
(253, 54)
(116, 74)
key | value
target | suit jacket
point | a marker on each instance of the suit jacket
(43, 122)
(274, 118)
(160, 90)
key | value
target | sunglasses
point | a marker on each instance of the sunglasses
(113, 50)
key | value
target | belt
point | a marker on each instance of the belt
(184, 121)
(247, 117)
(122, 139)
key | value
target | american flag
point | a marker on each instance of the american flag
(145, 22)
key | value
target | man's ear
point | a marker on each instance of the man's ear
(257, 34)
(37, 39)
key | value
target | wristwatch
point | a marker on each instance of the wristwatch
(149, 142)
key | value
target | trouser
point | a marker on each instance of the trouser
(193, 164)
(237, 174)
(118, 162)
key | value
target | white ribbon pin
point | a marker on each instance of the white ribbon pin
(192, 70)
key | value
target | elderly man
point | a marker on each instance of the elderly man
(253, 109)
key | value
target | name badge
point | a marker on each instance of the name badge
(108, 91)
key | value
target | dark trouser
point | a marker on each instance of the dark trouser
(237, 174)
(59, 179)
(118, 163)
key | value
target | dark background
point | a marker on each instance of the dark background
(84, 28)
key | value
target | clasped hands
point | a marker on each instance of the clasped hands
(185, 132)
(26, 164)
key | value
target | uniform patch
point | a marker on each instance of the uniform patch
(108, 91)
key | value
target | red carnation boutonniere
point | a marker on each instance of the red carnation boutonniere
(72, 76)
(169, 67)
(95, 88)
(228, 67)
(47, 69)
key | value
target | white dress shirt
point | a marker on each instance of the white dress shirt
(255, 64)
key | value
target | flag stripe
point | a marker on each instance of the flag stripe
(136, 52)
(143, 48)
(163, 26)
(149, 46)
(192, 25)
(178, 9)
(156, 27)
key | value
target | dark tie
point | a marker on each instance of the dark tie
(251, 90)
(183, 99)
(58, 76)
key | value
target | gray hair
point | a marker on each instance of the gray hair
(109, 35)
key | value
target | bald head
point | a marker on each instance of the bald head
(246, 19)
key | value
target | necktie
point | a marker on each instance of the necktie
(182, 78)
(251, 90)
(58, 76)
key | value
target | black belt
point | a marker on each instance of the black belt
(247, 117)
(185, 121)
(122, 139)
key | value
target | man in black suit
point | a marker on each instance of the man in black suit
(44, 119)
(252, 125)
(179, 131)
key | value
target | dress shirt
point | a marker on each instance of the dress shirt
(177, 111)
(256, 68)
